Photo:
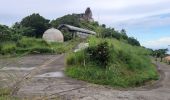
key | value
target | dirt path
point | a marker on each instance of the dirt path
(42, 76)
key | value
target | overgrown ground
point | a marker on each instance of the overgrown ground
(127, 65)
(28, 45)
(5, 94)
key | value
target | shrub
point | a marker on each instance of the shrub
(100, 54)
(7, 48)
(133, 41)
(127, 65)
(5, 33)
(76, 58)
(124, 56)
(116, 35)
(71, 59)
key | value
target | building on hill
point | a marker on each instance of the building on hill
(86, 16)
(76, 31)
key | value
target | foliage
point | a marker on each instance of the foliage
(89, 25)
(102, 30)
(26, 42)
(7, 34)
(99, 54)
(37, 23)
(106, 32)
(5, 94)
(124, 35)
(133, 41)
(67, 19)
(67, 35)
(28, 45)
(111, 33)
(7, 48)
(160, 53)
(127, 66)
(78, 59)
(24, 31)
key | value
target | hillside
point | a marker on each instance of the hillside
(101, 30)
(33, 26)
(111, 62)
(112, 57)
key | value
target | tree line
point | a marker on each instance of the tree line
(34, 26)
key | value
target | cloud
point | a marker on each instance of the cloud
(157, 44)
(105, 11)
(146, 22)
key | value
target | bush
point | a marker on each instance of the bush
(133, 41)
(127, 65)
(36, 23)
(67, 35)
(124, 56)
(7, 48)
(76, 58)
(100, 54)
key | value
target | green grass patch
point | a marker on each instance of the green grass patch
(7, 48)
(29, 45)
(128, 66)
(5, 94)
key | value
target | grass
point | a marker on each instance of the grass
(129, 66)
(29, 45)
(5, 94)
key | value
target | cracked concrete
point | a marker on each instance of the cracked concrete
(47, 81)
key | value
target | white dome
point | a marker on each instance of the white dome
(53, 35)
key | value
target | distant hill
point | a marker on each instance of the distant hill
(101, 29)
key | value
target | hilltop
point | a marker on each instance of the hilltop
(112, 58)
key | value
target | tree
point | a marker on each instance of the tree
(100, 54)
(67, 19)
(25, 31)
(116, 35)
(5, 33)
(8, 34)
(160, 53)
(36, 22)
(103, 25)
(106, 32)
(133, 41)
(123, 33)
(67, 35)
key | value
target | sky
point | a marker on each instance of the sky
(146, 20)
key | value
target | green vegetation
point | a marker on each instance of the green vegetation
(122, 65)
(67, 19)
(101, 30)
(5, 94)
(112, 57)
(24, 37)
(160, 53)
(36, 23)
(28, 45)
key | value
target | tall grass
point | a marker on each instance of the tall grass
(29, 45)
(5, 94)
(7, 48)
(128, 66)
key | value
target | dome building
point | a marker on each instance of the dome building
(53, 35)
